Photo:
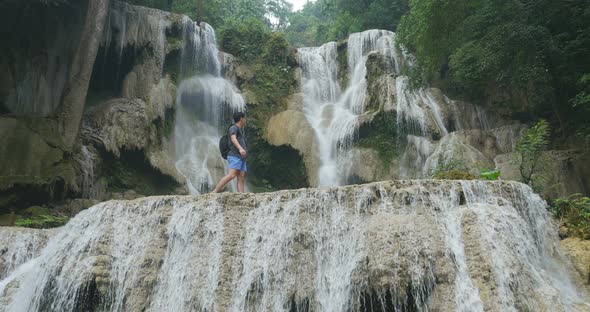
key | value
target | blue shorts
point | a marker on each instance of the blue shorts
(236, 163)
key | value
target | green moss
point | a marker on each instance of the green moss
(270, 85)
(453, 175)
(42, 221)
(274, 168)
(489, 174)
(342, 59)
(451, 170)
(381, 135)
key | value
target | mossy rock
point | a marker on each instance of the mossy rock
(42, 221)
(35, 211)
(342, 59)
(32, 153)
(381, 134)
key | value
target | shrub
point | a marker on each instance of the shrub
(575, 211)
(451, 170)
(528, 154)
(489, 174)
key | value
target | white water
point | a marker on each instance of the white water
(332, 110)
(424, 115)
(204, 104)
(374, 246)
(18, 248)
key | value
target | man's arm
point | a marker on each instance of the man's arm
(234, 140)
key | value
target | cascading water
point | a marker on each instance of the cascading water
(203, 102)
(423, 115)
(334, 113)
(417, 245)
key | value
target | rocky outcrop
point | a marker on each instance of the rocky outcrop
(411, 245)
(291, 128)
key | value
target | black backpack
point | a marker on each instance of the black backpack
(224, 144)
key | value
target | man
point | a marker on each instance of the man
(236, 157)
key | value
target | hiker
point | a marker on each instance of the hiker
(236, 156)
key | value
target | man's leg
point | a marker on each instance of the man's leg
(225, 180)
(241, 180)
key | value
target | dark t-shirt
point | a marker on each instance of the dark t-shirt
(233, 150)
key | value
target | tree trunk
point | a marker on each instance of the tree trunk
(76, 87)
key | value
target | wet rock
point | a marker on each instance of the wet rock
(415, 244)
(19, 245)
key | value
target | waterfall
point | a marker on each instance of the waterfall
(423, 115)
(204, 102)
(389, 246)
(332, 112)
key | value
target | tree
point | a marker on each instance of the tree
(528, 154)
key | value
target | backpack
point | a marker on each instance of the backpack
(224, 144)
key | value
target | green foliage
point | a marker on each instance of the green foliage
(451, 170)
(42, 221)
(269, 58)
(243, 38)
(575, 210)
(528, 155)
(332, 20)
(489, 174)
(381, 135)
(582, 99)
(526, 54)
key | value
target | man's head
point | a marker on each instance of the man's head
(240, 119)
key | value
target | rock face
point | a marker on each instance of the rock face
(400, 245)
(578, 250)
(563, 172)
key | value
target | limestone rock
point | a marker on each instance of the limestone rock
(369, 167)
(228, 67)
(578, 250)
(32, 153)
(417, 244)
(291, 128)
(475, 149)
(295, 102)
(120, 124)
(19, 245)
(564, 172)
